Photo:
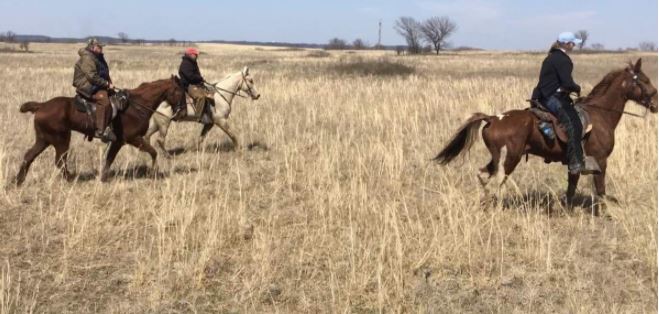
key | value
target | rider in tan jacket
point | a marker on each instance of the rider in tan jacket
(91, 78)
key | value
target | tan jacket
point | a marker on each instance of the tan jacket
(86, 78)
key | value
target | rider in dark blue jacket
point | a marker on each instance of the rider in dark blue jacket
(553, 92)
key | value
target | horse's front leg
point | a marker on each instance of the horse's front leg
(110, 155)
(223, 124)
(600, 187)
(572, 181)
(202, 136)
(139, 143)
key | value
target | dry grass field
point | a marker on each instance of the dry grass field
(331, 205)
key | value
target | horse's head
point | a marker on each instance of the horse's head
(247, 84)
(175, 92)
(639, 87)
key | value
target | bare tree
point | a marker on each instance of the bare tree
(436, 29)
(410, 29)
(336, 44)
(10, 37)
(583, 35)
(123, 37)
(647, 46)
(400, 50)
(172, 42)
(25, 46)
(358, 44)
(597, 46)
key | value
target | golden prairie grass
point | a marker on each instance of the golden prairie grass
(337, 210)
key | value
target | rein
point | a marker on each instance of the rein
(218, 90)
(618, 111)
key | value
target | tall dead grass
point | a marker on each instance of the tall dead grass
(341, 213)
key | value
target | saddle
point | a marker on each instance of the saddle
(118, 100)
(202, 112)
(544, 115)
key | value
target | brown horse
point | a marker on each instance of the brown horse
(55, 118)
(515, 133)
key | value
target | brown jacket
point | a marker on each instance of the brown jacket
(86, 77)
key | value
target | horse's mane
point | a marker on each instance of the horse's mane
(601, 87)
(140, 89)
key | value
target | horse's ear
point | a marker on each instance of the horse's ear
(637, 66)
(246, 70)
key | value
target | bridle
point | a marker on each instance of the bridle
(645, 102)
(243, 80)
(646, 97)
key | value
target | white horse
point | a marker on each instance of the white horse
(225, 91)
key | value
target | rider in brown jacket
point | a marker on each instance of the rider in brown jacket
(91, 79)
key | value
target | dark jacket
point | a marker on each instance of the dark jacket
(103, 68)
(91, 73)
(556, 71)
(189, 72)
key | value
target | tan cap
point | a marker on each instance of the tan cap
(91, 42)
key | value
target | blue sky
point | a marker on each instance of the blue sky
(497, 24)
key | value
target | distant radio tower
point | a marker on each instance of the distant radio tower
(380, 33)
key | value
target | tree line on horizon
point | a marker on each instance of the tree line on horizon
(433, 32)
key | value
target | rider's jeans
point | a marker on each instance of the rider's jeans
(567, 115)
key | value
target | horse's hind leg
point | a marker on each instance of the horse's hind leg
(204, 131)
(503, 163)
(39, 146)
(486, 173)
(61, 153)
(510, 160)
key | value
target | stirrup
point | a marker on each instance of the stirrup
(106, 136)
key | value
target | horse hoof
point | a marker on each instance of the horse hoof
(69, 177)
(612, 199)
(16, 183)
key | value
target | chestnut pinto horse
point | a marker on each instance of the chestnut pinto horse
(55, 118)
(515, 133)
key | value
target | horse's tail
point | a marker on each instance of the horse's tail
(30, 106)
(464, 138)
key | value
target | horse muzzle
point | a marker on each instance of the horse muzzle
(256, 97)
